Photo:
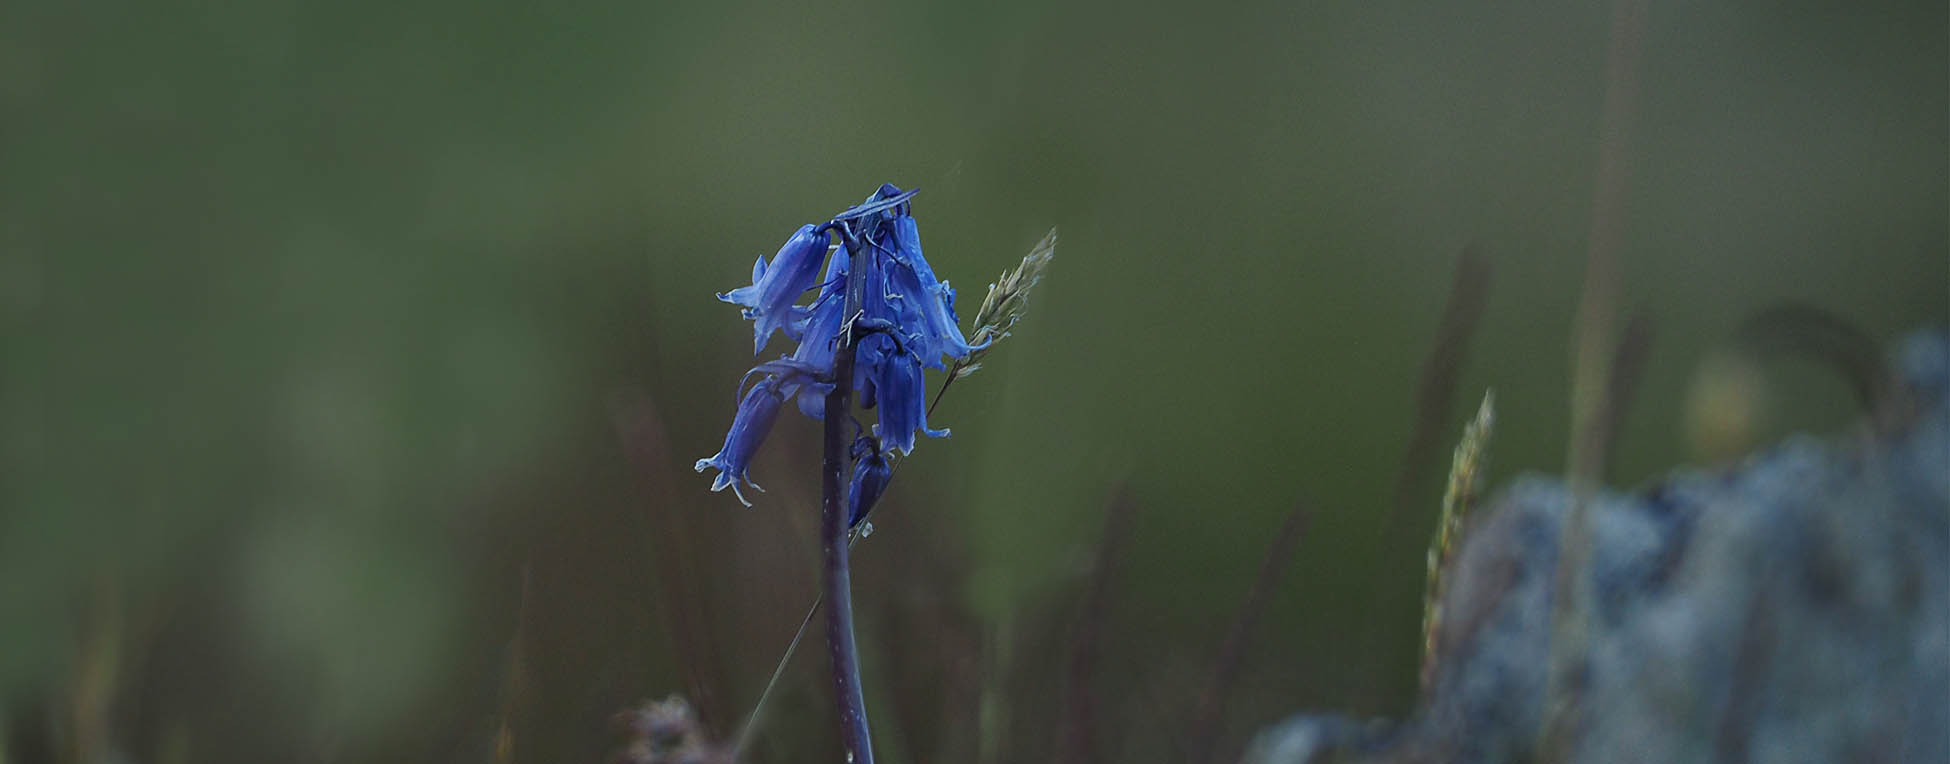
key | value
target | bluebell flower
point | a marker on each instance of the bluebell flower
(754, 421)
(888, 363)
(927, 305)
(819, 338)
(903, 401)
(905, 322)
(769, 300)
(872, 347)
(871, 471)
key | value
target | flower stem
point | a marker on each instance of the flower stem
(838, 593)
(744, 737)
(944, 387)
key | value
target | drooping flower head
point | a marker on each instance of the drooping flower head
(769, 301)
(904, 322)
(930, 302)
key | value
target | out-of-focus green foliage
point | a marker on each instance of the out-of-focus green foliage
(323, 322)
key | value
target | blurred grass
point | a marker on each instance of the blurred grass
(312, 315)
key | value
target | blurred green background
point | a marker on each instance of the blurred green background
(356, 354)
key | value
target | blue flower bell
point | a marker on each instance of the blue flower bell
(905, 322)
(769, 301)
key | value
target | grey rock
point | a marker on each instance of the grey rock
(1795, 608)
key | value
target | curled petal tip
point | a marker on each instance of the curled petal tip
(769, 299)
(756, 413)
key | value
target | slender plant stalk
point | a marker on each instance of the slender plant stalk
(1005, 304)
(1232, 652)
(516, 682)
(944, 388)
(640, 429)
(744, 737)
(1436, 391)
(838, 591)
(1079, 734)
(1467, 468)
(1591, 355)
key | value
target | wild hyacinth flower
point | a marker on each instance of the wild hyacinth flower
(871, 471)
(756, 413)
(905, 323)
(902, 399)
(903, 291)
(929, 303)
(879, 318)
(769, 300)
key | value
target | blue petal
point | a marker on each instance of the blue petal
(925, 312)
(812, 399)
(768, 301)
(869, 355)
(871, 472)
(903, 401)
(874, 301)
(748, 430)
(907, 245)
(747, 295)
(816, 353)
(818, 335)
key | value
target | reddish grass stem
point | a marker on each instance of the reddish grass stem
(1232, 652)
(1079, 743)
(1590, 387)
(1437, 387)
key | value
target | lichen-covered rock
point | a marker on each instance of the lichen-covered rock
(1793, 609)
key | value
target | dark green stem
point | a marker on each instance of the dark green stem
(838, 591)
